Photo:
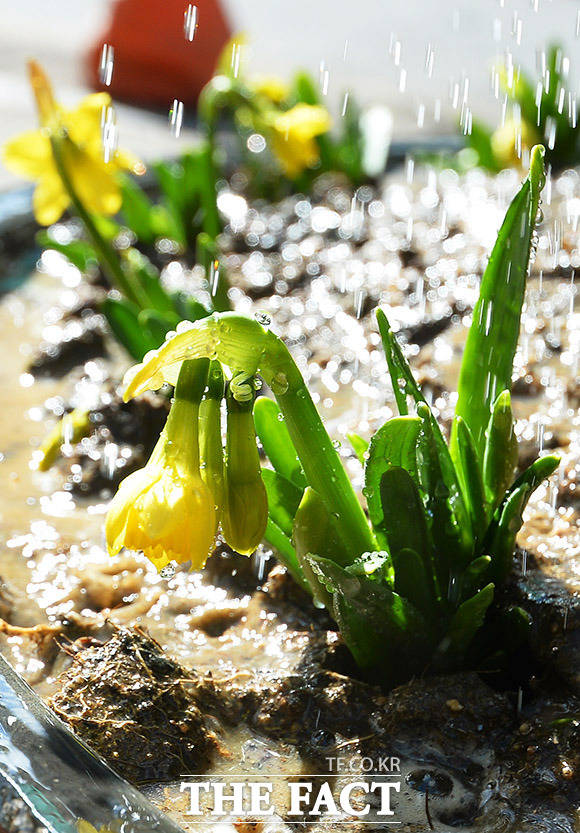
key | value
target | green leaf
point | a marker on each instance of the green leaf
(137, 210)
(480, 140)
(155, 326)
(283, 500)
(187, 307)
(536, 473)
(402, 378)
(473, 577)
(507, 522)
(359, 445)
(382, 630)
(273, 434)
(316, 531)
(80, 253)
(392, 445)
(446, 514)
(408, 538)
(146, 283)
(502, 544)
(404, 385)
(207, 255)
(123, 319)
(305, 90)
(466, 621)
(469, 473)
(501, 451)
(286, 553)
(486, 367)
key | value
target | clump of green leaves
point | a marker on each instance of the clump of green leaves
(444, 516)
(543, 110)
(410, 586)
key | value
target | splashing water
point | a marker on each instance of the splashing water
(176, 117)
(106, 65)
(190, 22)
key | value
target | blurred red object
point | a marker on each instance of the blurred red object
(155, 60)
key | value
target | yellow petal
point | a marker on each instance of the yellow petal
(84, 122)
(94, 180)
(48, 109)
(28, 155)
(50, 200)
(273, 88)
(304, 121)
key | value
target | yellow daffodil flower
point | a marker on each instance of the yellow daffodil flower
(504, 142)
(274, 89)
(293, 137)
(75, 137)
(165, 509)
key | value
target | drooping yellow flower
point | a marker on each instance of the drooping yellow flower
(75, 136)
(505, 141)
(293, 137)
(165, 509)
(273, 88)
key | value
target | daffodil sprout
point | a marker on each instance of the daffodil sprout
(240, 343)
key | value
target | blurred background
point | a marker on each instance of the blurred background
(425, 60)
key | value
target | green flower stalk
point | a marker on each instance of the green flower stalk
(210, 435)
(237, 341)
(245, 507)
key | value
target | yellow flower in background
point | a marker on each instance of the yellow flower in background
(505, 139)
(75, 135)
(293, 137)
(273, 88)
(165, 509)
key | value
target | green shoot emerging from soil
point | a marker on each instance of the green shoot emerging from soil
(410, 586)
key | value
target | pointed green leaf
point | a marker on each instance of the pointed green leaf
(286, 553)
(273, 434)
(155, 325)
(447, 517)
(466, 621)
(392, 445)
(486, 367)
(316, 531)
(507, 522)
(137, 210)
(359, 445)
(381, 629)
(123, 319)
(469, 473)
(283, 500)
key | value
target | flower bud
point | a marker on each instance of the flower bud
(245, 511)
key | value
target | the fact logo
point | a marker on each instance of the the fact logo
(345, 792)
